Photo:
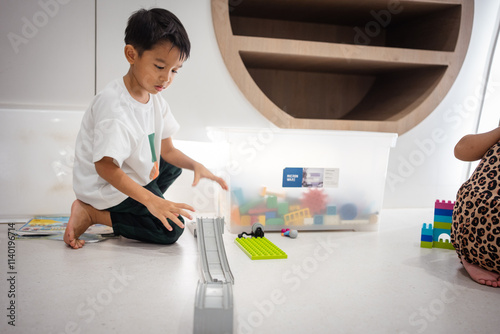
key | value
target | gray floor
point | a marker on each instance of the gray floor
(332, 282)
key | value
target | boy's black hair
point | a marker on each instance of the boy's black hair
(146, 28)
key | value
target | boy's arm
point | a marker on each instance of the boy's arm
(159, 207)
(473, 147)
(175, 157)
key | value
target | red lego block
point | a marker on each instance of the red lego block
(446, 205)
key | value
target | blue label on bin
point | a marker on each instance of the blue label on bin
(292, 177)
(308, 177)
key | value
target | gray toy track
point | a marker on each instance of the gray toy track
(213, 308)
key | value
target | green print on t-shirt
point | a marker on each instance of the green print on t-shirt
(152, 146)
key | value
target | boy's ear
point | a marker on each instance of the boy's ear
(131, 54)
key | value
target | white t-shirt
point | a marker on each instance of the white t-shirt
(118, 126)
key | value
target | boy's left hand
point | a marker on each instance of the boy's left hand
(201, 172)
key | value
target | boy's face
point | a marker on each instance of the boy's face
(155, 69)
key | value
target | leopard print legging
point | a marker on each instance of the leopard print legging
(475, 232)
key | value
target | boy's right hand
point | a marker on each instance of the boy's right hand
(157, 206)
(163, 210)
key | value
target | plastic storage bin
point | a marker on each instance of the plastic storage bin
(303, 179)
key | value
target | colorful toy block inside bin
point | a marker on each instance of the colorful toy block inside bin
(315, 200)
(297, 217)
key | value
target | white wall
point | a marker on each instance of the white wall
(422, 168)
(46, 81)
(46, 53)
(490, 114)
(36, 162)
(55, 68)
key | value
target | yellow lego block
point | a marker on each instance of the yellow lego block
(245, 220)
(262, 219)
(297, 217)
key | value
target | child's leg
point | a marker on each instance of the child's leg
(132, 220)
(467, 240)
(82, 217)
(168, 174)
(146, 228)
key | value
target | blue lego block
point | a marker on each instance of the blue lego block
(442, 219)
(443, 212)
(427, 230)
(238, 194)
(426, 238)
(438, 232)
(318, 220)
(331, 210)
(348, 211)
(270, 214)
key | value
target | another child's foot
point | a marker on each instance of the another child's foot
(481, 275)
(79, 221)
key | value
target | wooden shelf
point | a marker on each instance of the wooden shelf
(355, 57)
(341, 64)
(417, 25)
(311, 63)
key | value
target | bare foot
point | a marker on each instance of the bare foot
(82, 217)
(79, 221)
(481, 275)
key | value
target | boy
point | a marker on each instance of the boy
(124, 157)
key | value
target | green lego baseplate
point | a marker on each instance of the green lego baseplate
(260, 248)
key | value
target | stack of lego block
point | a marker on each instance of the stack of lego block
(427, 236)
(443, 212)
(439, 235)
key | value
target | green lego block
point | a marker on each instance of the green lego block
(260, 248)
(426, 244)
(275, 221)
(441, 225)
(272, 202)
(249, 205)
(443, 244)
(283, 208)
